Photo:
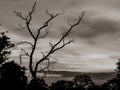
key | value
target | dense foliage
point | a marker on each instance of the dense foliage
(12, 77)
(5, 45)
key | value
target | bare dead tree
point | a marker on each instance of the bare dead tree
(54, 47)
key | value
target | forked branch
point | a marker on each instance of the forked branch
(27, 19)
(54, 46)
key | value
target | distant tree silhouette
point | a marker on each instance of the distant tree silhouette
(83, 82)
(118, 74)
(62, 85)
(118, 68)
(38, 84)
(12, 77)
(80, 82)
(36, 37)
(110, 85)
(114, 83)
(5, 45)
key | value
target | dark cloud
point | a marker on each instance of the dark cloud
(99, 27)
(94, 28)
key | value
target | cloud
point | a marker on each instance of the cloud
(97, 27)
(96, 38)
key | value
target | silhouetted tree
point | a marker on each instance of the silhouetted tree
(118, 74)
(83, 82)
(38, 84)
(114, 83)
(5, 45)
(62, 85)
(12, 77)
(118, 68)
(36, 37)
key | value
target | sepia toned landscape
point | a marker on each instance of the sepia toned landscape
(59, 45)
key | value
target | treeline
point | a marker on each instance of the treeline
(13, 76)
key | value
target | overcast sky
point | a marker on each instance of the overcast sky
(97, 38)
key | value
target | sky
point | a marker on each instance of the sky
(96, 46)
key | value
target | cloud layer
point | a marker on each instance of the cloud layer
(97, 38)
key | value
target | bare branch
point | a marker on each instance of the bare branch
(27, 19)
(20, 57)
(43, 54)
(23, 54)
(53, 48)
(22, 27)
(25, 42)
(50, 14)
(29, 16)
(62, 46)
(19, 14)
(50, 44)
(46, 33)
(46, 23)
(70, 29)
(46, 69)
